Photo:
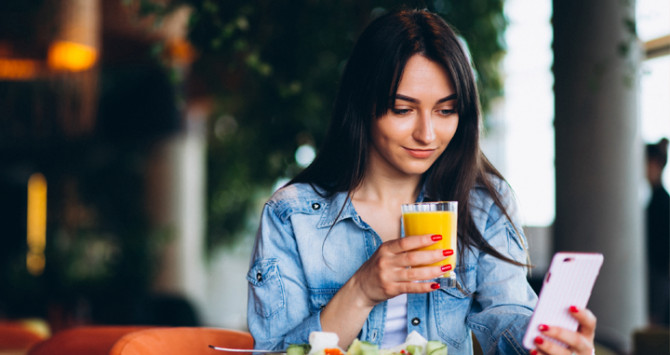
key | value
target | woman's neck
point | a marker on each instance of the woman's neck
(377, 201)
(385, 190)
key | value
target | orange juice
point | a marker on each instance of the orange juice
(434, 222)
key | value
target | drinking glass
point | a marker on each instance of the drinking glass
(435, 218)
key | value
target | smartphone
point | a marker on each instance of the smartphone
(568, 282)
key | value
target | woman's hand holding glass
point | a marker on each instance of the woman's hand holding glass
(579, 342)
(397, 267)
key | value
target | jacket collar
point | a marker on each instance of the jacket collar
(333, 211)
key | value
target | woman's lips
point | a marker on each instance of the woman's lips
(420, 153)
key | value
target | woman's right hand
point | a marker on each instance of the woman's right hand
(396, 267)
(392, 270)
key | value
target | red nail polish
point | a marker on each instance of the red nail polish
(445, 268)
(434, 285)
(436, 237)
(539, 340)
(448, 252)
(533, 352)
(574, 309)
(543, 327)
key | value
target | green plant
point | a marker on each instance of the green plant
(273, 68)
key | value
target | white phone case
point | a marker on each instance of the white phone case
(568, 282)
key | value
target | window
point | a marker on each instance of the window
(653, 27)
(528, 112)
(521, 138)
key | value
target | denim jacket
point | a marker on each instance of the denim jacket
(298, 263)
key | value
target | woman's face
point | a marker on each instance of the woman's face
(420, 124)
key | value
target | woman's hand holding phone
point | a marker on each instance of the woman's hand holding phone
(580, 341)
(561, 321)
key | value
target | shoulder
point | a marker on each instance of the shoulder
(298, 198)
(481, 197)
(483, 208)
(500, 226)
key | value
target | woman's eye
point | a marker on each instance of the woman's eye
(447, 112)
(400, 111)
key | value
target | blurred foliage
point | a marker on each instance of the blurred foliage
(97, 246)
(100, 244)
(273, 69)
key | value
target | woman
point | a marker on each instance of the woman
(328, 255)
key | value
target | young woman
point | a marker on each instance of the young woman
(328, 255)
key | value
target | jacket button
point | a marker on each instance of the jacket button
(259, 277)
(416, 321)
(316, 206)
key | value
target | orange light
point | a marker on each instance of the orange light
(37, 223)
(71, 56)
(18, 69)
(181, 52)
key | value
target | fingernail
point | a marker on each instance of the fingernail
(436, 237)
(539, 340)
(445, 267)
(448, 252)
(574, 309)
(434, 285)
(533, 352)
(543, 327)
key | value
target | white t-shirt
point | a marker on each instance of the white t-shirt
(395, 327)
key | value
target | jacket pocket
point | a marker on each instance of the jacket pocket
(266, 287)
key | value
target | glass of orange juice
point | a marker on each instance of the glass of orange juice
(435, 218)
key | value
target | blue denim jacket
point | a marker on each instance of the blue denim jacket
(297, 266)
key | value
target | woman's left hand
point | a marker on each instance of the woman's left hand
(579, 342)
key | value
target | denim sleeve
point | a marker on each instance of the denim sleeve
(504, 301)
(277, 308)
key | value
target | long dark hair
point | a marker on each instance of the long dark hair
(367, 88)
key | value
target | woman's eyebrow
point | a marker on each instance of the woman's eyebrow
(406, 98)
(444, 99)
(413, 100)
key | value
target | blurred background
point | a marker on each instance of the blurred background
(140, 138)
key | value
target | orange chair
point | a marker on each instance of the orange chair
(16, 337)
(181, 340)
(84, 340)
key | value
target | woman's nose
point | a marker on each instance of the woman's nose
(424, 131)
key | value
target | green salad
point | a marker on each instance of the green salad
(325, 343)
